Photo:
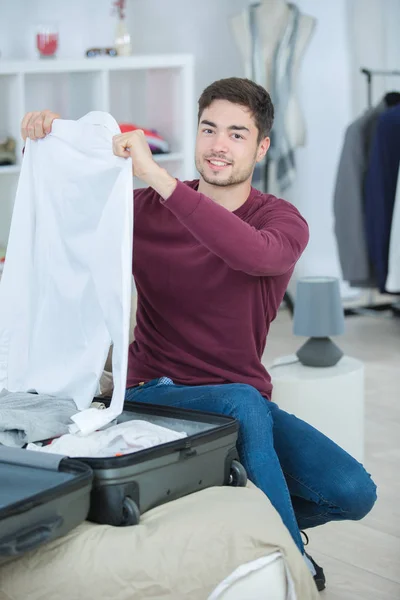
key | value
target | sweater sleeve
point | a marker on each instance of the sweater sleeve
(271, 250)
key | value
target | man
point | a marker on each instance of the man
(212, 260)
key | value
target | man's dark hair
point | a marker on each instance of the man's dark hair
(246, 93)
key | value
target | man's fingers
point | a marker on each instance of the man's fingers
(37, 125)
(24, 125)
(124, 142)
(48, 121)
(121, 146)
(38, 128)
(30, 128)
(122, 151)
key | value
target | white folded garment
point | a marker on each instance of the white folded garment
(124, 438)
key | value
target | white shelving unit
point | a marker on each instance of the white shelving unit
(152, 91)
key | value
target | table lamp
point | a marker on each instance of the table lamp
(318, 314)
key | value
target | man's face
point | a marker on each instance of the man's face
(226, 145)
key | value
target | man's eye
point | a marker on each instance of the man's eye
(207, 131)
(237, 136)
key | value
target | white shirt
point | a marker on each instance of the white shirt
(66, 287)
(393, 278)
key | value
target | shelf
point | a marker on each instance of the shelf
(10, 169)
(159, 158)
(153, 90)
(171, 157)
(114, 63)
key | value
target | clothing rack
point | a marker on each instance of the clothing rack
(372, 308)
(369, 74)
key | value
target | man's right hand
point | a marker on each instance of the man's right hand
(36, 125)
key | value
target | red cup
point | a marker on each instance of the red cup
(47, 41)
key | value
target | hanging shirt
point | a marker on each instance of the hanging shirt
(348, 203)
(380, 191)
(209, 283)
(393, 278)
(66, 288)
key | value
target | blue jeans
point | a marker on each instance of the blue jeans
(306, 476)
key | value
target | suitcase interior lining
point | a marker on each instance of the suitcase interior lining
(181, 425)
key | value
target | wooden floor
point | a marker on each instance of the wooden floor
(361, 560)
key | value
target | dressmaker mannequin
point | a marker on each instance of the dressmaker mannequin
(272, 18)
(277, 16)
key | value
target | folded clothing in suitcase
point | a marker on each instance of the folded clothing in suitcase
(126, 486)
(42, 497)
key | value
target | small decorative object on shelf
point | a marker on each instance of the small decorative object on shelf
(7, 151)
(122, 36)
(47, 40)
(92, 52)
(158, 145)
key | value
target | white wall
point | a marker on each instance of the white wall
(331, 91)
(82, 23)
(375, 44)
(197, 26)
(325, 95)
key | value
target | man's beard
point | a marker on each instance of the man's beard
(234, 179)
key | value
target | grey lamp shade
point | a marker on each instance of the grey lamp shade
(318, 310)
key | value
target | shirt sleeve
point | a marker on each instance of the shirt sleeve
(270, 250)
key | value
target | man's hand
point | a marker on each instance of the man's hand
(36, 125)
(134, 144)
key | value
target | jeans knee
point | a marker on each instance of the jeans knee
(248, 398)
(358, 495)
(248, 406)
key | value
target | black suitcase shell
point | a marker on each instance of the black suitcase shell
(126, 486)
(42, 497)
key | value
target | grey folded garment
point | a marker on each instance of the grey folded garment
(26, 417)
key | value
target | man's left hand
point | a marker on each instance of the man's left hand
(134, 144)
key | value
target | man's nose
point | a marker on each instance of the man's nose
(220, 143)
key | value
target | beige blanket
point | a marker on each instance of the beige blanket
(179, 551)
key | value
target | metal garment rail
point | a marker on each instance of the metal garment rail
(370, 308)
(369, 74)
(373, 308)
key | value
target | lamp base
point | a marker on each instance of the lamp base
(319, 352)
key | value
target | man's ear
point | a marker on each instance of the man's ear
(263, 148)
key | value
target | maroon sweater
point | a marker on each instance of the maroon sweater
(209, 283)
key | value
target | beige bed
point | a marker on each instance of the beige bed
(182, 550)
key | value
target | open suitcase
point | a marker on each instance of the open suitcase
(126, 486)
(43, 496)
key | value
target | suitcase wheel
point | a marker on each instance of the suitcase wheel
(130, 512)
(238, 475)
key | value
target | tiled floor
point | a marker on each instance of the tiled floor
(362, 559)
